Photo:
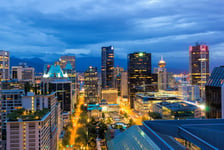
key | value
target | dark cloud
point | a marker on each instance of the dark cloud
(50, 28)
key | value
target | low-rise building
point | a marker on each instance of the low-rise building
(144, 101)
(177, 110)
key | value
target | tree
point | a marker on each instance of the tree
(125, 115)
(65, 140)
(83, 118)
(103, 115)
(108, 121)
(131, 122)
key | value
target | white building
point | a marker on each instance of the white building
(189, 92)
(38, 126)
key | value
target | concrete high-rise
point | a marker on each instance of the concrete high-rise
(23, 73)
(37, 126)
(11, 100)
(4, 65)
(91, 85)
(124, 84)
(214, 91)
(107, 68)
(139, 74)
(199, 66)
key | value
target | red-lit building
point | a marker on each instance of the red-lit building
(199, 66)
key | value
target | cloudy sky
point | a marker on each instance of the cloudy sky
(48, 28)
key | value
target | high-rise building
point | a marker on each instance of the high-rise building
(36, 126)
(11, 100)
(107, 68)
(214, 91)
(124, 85)
(63, 60)
(91, 85)
(139, 74)
(117, 79)
(56, 80)
(162, 75)
(199, 66)
(63, 89)
(23, 73)
(4, 65)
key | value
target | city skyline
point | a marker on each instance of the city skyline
(108, 75)
(168, 28)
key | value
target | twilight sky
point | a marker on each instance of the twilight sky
(49, 28)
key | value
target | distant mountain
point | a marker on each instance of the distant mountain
(82, 63)
(35, 62)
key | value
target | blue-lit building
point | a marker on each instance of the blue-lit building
(55, 80)
(171, 135)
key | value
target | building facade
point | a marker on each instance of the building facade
(110, 95)
(107, 67)
(4, 65)
(139, 74)
(214, 90)
(199, 66)
(63, 89)
(91, 85)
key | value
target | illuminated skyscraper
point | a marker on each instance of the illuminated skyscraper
(91, 85)
(199, 66)
(4, 65)
(107, 68)
(139, 74)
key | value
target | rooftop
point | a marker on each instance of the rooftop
(55, 71)
(162, 134)
(24, 115)
(178, 106)
(157, 96)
